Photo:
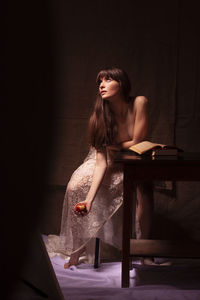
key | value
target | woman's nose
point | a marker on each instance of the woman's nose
(102, 85)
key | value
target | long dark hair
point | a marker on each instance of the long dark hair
(102, 124)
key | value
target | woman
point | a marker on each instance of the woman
(117, 122)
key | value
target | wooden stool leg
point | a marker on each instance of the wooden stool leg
(96, 259)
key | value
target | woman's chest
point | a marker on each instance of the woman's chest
(125, 128)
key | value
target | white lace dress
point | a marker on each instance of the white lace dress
(104, 219)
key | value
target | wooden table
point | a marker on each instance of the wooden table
(137, 169)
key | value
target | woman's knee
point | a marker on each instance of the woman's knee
(72, 186)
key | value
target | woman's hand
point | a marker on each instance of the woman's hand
(88, 205)
(99, 171)
(82, 208)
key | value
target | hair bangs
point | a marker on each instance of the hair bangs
(107, 73)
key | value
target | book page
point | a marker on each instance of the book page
(145, 146)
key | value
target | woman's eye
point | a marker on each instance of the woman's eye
(109, 79)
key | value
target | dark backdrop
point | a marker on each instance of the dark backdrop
(157, 43)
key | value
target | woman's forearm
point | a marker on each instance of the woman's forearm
(96, 181)
(123, 145)
(127, 144)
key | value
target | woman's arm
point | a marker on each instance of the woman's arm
(99, 171)
(140, 126)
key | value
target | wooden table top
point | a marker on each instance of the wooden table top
(129, 157)
(185, 166)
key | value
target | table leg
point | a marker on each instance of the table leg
(127, 201)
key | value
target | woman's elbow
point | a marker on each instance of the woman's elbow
(102, 165)
(101, 161)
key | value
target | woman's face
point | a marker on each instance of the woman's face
(109, 88)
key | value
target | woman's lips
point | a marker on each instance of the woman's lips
(103, 92)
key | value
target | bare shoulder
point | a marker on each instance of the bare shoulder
(140, 104)
(141, 101)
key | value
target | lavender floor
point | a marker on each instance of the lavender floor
(179, 281)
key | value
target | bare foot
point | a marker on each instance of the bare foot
(74, 259)
(67, 265)
(166, 263)
(148, 261)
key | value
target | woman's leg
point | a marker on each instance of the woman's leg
(74, 258)
(145, 205)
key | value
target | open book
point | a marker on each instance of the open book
(154, 149)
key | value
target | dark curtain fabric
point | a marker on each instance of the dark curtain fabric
(157, 43)
(187, 129)
(188, 85)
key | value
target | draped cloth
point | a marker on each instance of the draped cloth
(104, 218)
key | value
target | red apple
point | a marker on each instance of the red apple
(80, 209)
